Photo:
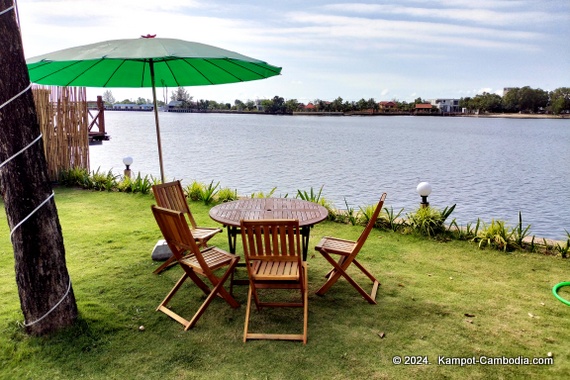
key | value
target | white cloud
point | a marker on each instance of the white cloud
(432, 48)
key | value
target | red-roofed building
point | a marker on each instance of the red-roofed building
(423, 108)
(387, 106)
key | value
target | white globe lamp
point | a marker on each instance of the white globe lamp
(424, 189)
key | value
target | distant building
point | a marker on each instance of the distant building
(310, 107)
(388, 106)
(507, 89)
(423, 108)
(132, 107)
(446, 105)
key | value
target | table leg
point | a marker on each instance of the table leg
(305, 233)
(232, 234)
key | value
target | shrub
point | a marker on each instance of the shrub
(194, 191)
(429, 221)
(519, 233)
(563, 249)
(209, 192)
(227, 195)
(260, 194)
(495, 235)
(391, 218)
(103, 181)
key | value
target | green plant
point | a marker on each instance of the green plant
(392, 218)
(495, 235)
(366, 213)
(519, 233)
(227, 195)
(124, 185)
(350, 215)
(311, 196)
(103, 181)
(564, 249)
(209, 192)
(429, 221)
(194, 191)
(467, 233)
(260, 194)
(73, 177)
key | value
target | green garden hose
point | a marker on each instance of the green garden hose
(555, 292)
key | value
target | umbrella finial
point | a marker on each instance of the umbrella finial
(149, 36)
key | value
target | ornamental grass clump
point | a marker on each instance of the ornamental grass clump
(495, 235)
(194, 191)
(392, 218)
(429, 221)
(227, 195)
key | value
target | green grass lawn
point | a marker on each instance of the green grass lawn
(436, 300)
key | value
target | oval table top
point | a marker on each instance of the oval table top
(231, 213)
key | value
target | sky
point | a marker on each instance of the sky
(386, 50)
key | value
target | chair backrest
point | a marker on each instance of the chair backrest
(176, 232)
(171, 195)
(370, 225)
(271, 239)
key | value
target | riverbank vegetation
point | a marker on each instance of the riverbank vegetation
(428, 222)
(524, 100)
(439, 299)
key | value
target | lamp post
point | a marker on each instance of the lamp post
(128, 161)
(424, 189)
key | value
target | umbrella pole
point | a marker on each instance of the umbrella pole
(151, 64)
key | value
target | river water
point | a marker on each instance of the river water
(491, 168)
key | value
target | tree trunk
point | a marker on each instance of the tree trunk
(41, 273)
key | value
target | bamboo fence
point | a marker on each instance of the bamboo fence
(64, 119)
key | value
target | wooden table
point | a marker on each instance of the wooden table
(231, 213)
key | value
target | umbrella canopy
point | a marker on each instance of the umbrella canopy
(146, 62)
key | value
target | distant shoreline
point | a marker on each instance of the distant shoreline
(490, 115)
(318, 113)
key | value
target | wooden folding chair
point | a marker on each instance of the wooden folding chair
(170, 195)
(348, 250)
(272, 250)
(177, 234)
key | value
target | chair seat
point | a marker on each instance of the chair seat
(201, 233)
(214, 257)
(275, 270)
(334, 245)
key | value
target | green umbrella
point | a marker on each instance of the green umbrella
(146, 62)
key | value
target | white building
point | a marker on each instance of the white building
(446, 105)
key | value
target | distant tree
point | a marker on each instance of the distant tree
(525, 99)
(485, 102)
(250, 105)
(142, 101)
(560, 100)
(362, 105)
(291, 105)
(108, 97)
(181, 95)
(511, 100)
(372, 105)
(464, 103)
(203, 104)
(239, 105)
(337, 105)
(276, 105)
